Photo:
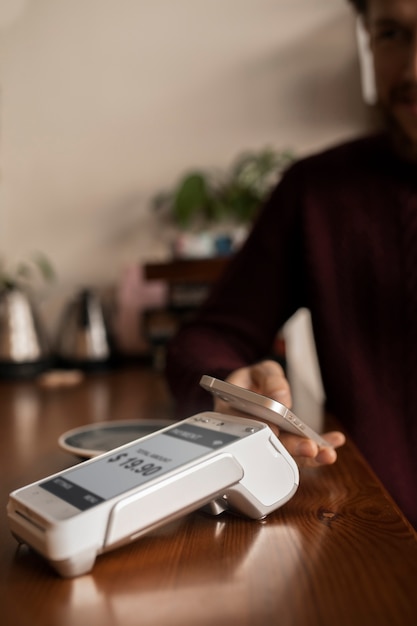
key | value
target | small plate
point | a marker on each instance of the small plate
(94, 439)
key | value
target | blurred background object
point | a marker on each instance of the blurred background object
(104, 103)
(24, 344)
(24, 348)
(84, 339)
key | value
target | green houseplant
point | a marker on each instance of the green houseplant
(202, 198)
(25, 273)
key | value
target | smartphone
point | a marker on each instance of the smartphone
(224, 462)
(257, 405)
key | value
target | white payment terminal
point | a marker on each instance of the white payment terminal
(209, 459)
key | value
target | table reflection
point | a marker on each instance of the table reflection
(216, 557)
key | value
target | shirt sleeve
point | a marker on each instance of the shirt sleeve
(260, 289)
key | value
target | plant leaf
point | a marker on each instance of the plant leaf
(44, 266)
(191, 196)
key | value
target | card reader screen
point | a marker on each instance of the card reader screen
(113, 474)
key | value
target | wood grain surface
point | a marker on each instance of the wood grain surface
(339, 552)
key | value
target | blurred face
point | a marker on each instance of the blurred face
(392, 26)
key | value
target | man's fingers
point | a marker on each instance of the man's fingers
(308, 453)
(268, 378)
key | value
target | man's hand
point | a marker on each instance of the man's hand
(268, 379)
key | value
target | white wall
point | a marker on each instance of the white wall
(105, 102)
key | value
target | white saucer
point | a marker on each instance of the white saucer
(94, 439)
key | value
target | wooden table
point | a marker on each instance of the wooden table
(339, 552)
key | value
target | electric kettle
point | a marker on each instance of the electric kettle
(24, 347)
(83, 338)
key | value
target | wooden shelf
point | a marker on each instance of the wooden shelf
(188, 271)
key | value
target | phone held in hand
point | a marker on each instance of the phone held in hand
(260, 406)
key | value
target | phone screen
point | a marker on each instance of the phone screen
(113, 474)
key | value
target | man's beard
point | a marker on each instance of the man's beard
(404, 144)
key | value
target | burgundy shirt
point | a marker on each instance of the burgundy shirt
(338, 236)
